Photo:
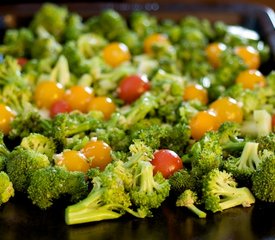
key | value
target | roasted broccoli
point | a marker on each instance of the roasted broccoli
(220, 192)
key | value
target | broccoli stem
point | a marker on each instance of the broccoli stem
(83, 127)
(197, 211)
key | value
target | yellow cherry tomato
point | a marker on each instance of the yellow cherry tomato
(103, 104)
(203, 122)
(250, 56)
(74, 161)
(251, 78)
(227, 110)
(195, 91)
(78, 97)
(48, 92)
(6, 117)
(213, 52)
(98, 152)
(156, 38)
(116, 53)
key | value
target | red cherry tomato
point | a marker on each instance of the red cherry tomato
(167, 162)
(22, 61)
(60, 106)
(132, 87)
(273, 120)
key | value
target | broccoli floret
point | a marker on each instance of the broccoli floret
(74, 27)
(6, 188)
(51, 183)
(148, 190)
(180, 181)
(90, 44)
(18, 98)
(21, 164)
(109, 23)
(206, 154)
(143, 23)
(108, 199)
(45, 45)
(243, 167)
(168, 89)
(39, 143)
(188, 199)
(51, 17)
(65, 126)
(28, 122)
(259, 125)
(220, 192)
(266, 142)
(10, 72)
(4, 152)
(138, 110)
(17, 42)
(263, 180)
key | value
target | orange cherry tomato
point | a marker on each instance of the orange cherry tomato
(195, 91)
(155, 38)
(74, 161)
(98, 152)
(78, 97)
(227, 109)
(48, 92)
(116, 53)
(213, 52)
(251, 78)
(203, 122)
(6, 117)
(250, 56)
(103, 104)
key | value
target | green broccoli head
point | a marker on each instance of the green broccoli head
(6, 188)
(39, 143)
(188, 199)
(149, 190)
(22, 164)
(206, 154)
(51, 17)
(266, 142)
(17, 42)
(263, 180)
(51, 183)
(220, 192)
(245, 165)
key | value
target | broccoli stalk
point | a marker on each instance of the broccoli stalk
(4, 152)
(188, 199)
(108, 199)
(220, 192)
(244, 166)
(148, 190)
(6, 188)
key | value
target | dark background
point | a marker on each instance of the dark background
(268, 3)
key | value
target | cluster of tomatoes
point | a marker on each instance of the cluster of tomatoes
(54, 97)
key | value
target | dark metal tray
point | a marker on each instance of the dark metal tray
(19, 219)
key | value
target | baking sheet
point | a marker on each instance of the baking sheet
(19, 219)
